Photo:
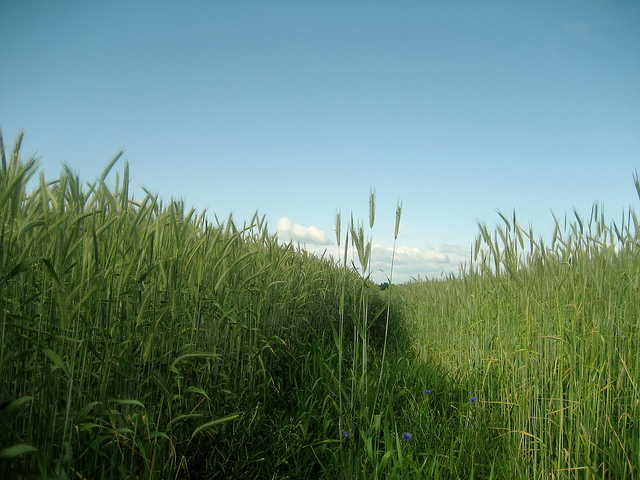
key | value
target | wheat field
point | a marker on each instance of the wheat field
(141, 339)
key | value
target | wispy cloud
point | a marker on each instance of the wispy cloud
(576, 27)
(287, 230)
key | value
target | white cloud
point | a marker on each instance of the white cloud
(412, 262)
(287, 230)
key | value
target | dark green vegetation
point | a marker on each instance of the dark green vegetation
(139, 340)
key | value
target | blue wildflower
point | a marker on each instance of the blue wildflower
(473, 399)
(407, 436)
(346, 434)
(427, 392)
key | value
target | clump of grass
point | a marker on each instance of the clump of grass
(137, 336)
(140, 340)
(387, 427)
(547, 335)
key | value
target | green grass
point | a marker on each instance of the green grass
(549, 338)
(139, 339)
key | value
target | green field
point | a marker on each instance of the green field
(143, 340)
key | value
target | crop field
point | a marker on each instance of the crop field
(143, 340)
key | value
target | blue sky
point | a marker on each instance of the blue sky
(298, 109)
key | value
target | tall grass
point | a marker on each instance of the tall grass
(136, 335)
(400, 417)
(139, 339)
(548, 335)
